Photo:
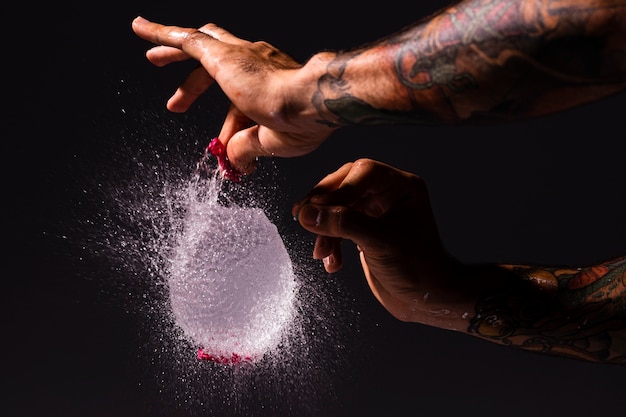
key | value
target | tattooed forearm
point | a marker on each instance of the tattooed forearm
(580, 313)
(484, 60)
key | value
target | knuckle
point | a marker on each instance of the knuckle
(339, 221)
(264, 45)
(210, 27)
(364, 163)
(193, 38)
(348, 165)
(337, 218)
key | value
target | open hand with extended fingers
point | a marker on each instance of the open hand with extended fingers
(271, 113)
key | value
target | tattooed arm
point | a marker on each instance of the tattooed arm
(574, 312)
(483, 61)
(475, 62)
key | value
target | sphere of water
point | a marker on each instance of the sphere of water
(231, 282)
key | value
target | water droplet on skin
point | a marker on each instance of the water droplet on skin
(439, 312)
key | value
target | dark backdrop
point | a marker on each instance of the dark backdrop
(87, 137)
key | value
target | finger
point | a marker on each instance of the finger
(160, 34)
(244, 146)
(365, 177)
(332, 181)
(173, 40)
(239, 135)
(327, 184)
(222, 34)
(164, 55)
(353, 181)
(341, 222)
(195, 43)
(188, 92)
(328, 249)
(234, 122)
(324, 246)
(368, 186)
(334, 261)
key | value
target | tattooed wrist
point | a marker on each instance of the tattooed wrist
(579, 313)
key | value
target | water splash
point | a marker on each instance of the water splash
(231, 281)
(125, 229)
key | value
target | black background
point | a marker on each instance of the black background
(83, 109)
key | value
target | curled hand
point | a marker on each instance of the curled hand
(386, 212)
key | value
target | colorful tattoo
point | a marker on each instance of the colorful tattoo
(579, 313)
(488, 59)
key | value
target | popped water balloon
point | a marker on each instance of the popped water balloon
(231, 282)
(232, 287)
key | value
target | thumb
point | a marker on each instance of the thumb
(243, 149)
(341, 221)
(240, 136)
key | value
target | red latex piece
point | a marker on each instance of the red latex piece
(226, 169)
(223, 359)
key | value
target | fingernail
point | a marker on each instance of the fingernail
(309, 215)
(329, 260)
(295, 211)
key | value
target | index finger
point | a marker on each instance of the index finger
(197, 43)
(326, 185)
(160, 34)
(362, 178)
(368, 186)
